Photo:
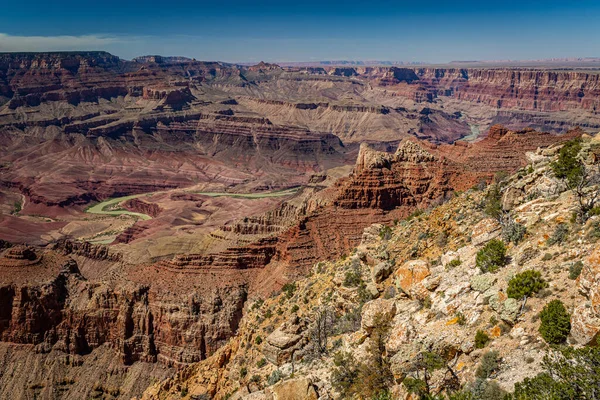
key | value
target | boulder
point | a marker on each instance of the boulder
(508, 309)
(482, 283)
(485, 230)
(279, 346)
(409, 277)
(385, 307)
(294, 389)
(381, 271)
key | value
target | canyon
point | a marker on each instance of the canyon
(248, 176)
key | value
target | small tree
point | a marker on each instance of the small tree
(568, 166)
(321, 329)
(525, 284)
(555, 322)
(578, 176)
(345, 374)
(375, 374)
(493, 202)
(569, 374)
(492, 256)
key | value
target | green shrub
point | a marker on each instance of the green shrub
(525, 284)
(559, 236)
(385, 233)
(257, 304)
(575, 270)
(481, 339)
(383, 395)
(454, 263)
(461, 319)
(415, 214)
(493, 202)
(547, 257)
(295, 308)
(243, 372)
(344, 375)
(483, 389)
(568, 374)
(568, 166)
(275, 377)
(258, 340)
(256, 378)
(514, 232)
(555, 322)
(261, 363)
(488, 365)
(352, 279)
(289, 289)
(426, 302)
(492, 257)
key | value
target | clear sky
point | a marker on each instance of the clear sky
(307, 30)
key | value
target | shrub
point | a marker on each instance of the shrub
(426, 302)
(493, 202)
(352, 279)
(261, 363)
(385, 233)
(295, 308)
(555, 322)
(257, 304)
(256, 378)
(289, 289)
(258, 340)
(568, 166)
(488, 390)
(525, 284)
(461, 319)
(488, 365)
(454, 263)
(275, 377)
(345, 373)
(513, 232)
(559, 236)
(243, 372)
(575, 270)
(547, 257)
(492, 257)
(481, 339)
(415, 214)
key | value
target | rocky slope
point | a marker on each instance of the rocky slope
(420, 278)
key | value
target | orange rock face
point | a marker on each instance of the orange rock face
(409, 278)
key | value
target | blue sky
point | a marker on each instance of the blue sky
(307, 30)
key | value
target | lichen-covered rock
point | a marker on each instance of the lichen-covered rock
(482, 283)
(409, 277)
(507, 308)
(486, 230)
(510, 310)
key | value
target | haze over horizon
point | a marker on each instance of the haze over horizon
(272, 31)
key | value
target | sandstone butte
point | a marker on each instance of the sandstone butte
(98, 305)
